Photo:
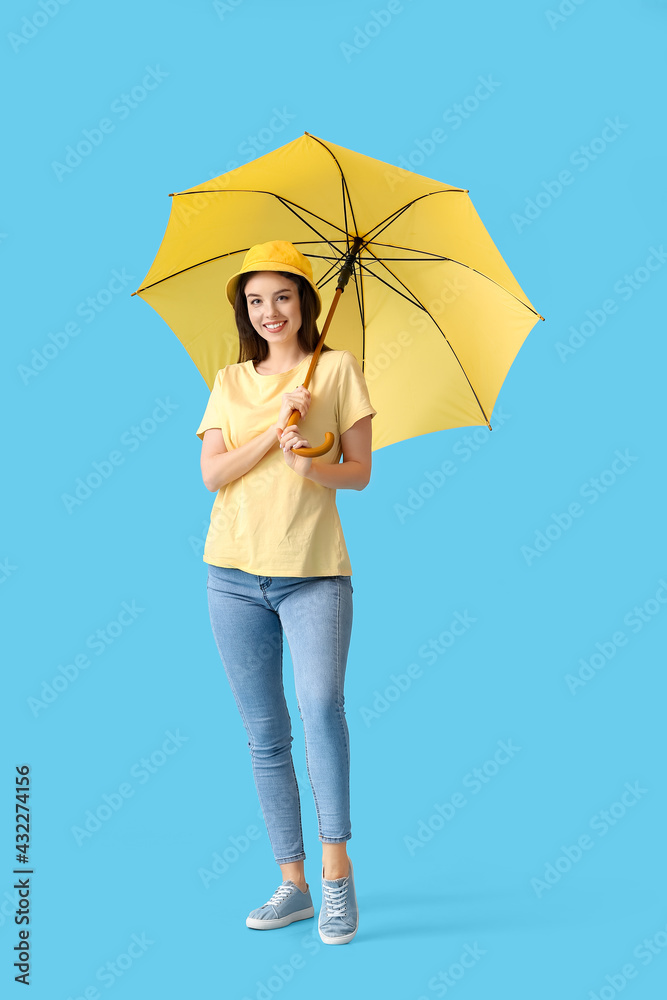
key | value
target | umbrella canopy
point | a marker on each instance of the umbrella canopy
(432, 312)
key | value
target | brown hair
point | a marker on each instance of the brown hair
(253, 347)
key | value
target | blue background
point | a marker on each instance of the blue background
(558, 424)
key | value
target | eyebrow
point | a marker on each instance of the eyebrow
(256, 295)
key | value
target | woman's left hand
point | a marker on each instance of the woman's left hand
(290, 437)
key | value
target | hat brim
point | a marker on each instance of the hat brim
(269, 265)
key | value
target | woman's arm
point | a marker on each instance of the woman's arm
(354, 472)
(219, 466)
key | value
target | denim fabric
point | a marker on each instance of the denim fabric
(248, 615)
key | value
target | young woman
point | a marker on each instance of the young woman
(278, 561)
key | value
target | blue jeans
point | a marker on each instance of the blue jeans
(248, 614)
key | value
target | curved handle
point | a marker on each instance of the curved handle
(343, 278)
(311, 452)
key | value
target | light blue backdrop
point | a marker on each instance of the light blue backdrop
(541, 873)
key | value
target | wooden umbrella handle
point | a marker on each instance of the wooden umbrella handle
(344, 276)
(295, 415)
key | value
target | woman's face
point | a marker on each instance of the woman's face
(273, 306)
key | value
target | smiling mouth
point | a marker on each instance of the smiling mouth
(273, 327)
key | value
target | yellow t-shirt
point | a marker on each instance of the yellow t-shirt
(272, 521)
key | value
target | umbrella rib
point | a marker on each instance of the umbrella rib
(291, 206)
(436, 257)
(271, 194)
(210, 260)
(288, 205)
(346, 190)
(359, 288)
(393, 288)
(399, 211)
(437, 325)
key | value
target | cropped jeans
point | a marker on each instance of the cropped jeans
(248, 614)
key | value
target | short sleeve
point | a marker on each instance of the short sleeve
(353, 399)
(213, 412)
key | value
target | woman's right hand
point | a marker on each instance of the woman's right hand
(298, 399)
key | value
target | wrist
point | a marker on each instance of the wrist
(312, 472)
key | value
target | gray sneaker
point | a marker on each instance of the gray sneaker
(288, 903)
(338, 921)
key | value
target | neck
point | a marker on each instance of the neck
(283, 357)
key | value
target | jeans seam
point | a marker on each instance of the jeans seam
(310, 777)
(340, 708)
(296, 783)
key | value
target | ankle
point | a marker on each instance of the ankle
(335, 871)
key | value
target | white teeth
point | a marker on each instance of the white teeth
(274, 326)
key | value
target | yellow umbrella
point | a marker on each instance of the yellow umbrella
(432, 312)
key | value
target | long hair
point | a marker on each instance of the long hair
(253, 347)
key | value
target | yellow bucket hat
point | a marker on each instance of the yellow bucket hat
(278, 255)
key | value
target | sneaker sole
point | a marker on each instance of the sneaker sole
(267, 923)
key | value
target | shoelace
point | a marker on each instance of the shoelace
(335, 897)
(281, 893)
